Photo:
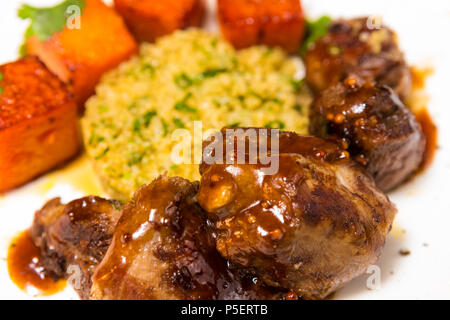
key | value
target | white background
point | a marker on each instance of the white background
(424, 206)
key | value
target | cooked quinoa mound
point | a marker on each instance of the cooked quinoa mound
(185, 77)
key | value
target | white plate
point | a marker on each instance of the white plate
(424, 206)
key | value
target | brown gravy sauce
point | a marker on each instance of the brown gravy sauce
(419, 78)
(25, 269)
(431, 133)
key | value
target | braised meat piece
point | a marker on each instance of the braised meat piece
(285, 142)
(311, 227)
(380, 131)
(358, 47)
(73, 238)
(163, 249)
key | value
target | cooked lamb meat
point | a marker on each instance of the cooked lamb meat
(317, 223)
(163, 249)
(352, 48)
(380, 131)
(288, 142)
(76, 234)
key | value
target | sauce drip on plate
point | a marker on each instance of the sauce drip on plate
(418, 102)
(25, 269)
(431, 133)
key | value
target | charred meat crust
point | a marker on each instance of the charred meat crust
(74, 237)
(380, 131)
(353, 48)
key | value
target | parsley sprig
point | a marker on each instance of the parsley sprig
(314, 31)
(45, 22)
(1, 79)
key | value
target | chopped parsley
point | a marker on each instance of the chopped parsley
(103, 108)
(126, 175)
(297, 84)
(136, 126)
(91, 139)
(217, 103)
(116, 205)
(45, 22)
(101, 155)
(107, 124)
(148, 67)
(183, 106)
(178, 123)
(95, 139)
(210, 73)
(268, 52)
(148, 117)
(298, 107)
(234, 125)
(260, 97)
(314, 31)
(275, 124)
(1, 79)
(136, 157)
(165, 127)
(184, 81)
(132, 105)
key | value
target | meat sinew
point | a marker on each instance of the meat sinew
(357, 47)
(163, 249)
(311, 227)
(73, 238)
(380, 131)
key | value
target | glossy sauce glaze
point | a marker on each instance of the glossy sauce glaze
(162, 249)
(352, 48)
(328, 204)
(25, 269)
(382, 133)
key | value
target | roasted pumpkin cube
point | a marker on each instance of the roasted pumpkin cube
(80, 56)
(151, 19)
(270, 22)
(38, 122)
